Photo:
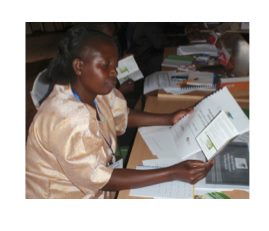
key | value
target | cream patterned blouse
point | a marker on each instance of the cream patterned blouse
(68, 150)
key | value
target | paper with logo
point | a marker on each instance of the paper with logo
(179, 141)
(128, 69)
(216, 135)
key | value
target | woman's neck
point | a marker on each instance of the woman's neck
(84, 95)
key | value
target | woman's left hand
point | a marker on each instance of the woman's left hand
(178, 115)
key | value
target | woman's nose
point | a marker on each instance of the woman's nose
(113, 72)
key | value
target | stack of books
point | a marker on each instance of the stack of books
(176, 61)
(205, 49)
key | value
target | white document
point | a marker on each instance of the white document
(207, 49)
(202, 78)
(184, 90)
(172, 189)
(166, 162)
(128, 69)
(164, 79)
(151, 136)
(216, 135)
(179, 141)
(170, 81)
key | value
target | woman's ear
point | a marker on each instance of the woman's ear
(77, 66)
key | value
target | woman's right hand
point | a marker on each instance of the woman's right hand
(127, 87)
(191, 171)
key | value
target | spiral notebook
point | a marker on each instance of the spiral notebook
(197, 81)
(187, 89)
(173, 81)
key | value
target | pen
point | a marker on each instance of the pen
(179, 77)
(186, 83)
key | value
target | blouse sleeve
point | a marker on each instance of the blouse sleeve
(120, 110)
(80, 154)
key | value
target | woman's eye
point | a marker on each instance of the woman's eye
(105, 65)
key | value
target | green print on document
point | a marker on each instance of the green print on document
(209, 144)
(123, 69)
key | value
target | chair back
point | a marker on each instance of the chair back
(40, 88)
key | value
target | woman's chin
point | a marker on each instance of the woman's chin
(107, 90)
(109, 86)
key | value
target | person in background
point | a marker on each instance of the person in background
(146, 41)
(72, 139)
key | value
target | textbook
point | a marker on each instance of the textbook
(176, 61)
(128, 69)
(230, 170)
(238, 86)
(217, 115)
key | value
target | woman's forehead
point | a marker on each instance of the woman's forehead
(100, 48)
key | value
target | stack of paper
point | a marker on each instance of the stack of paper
(172, 189)
(206, 49)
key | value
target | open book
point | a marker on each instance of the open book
(128, 69)
(180, 141)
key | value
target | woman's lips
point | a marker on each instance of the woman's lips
(112, 83)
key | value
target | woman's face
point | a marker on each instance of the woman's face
(98, 68)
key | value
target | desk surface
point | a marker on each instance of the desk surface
(140, 151)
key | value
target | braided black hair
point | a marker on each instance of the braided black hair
(60, 70)
(72, 46)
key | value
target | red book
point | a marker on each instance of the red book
(238, 86)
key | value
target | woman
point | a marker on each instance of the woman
(72, 139)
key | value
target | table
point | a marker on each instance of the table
(160, 104)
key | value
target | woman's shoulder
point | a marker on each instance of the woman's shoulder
(62, 105)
